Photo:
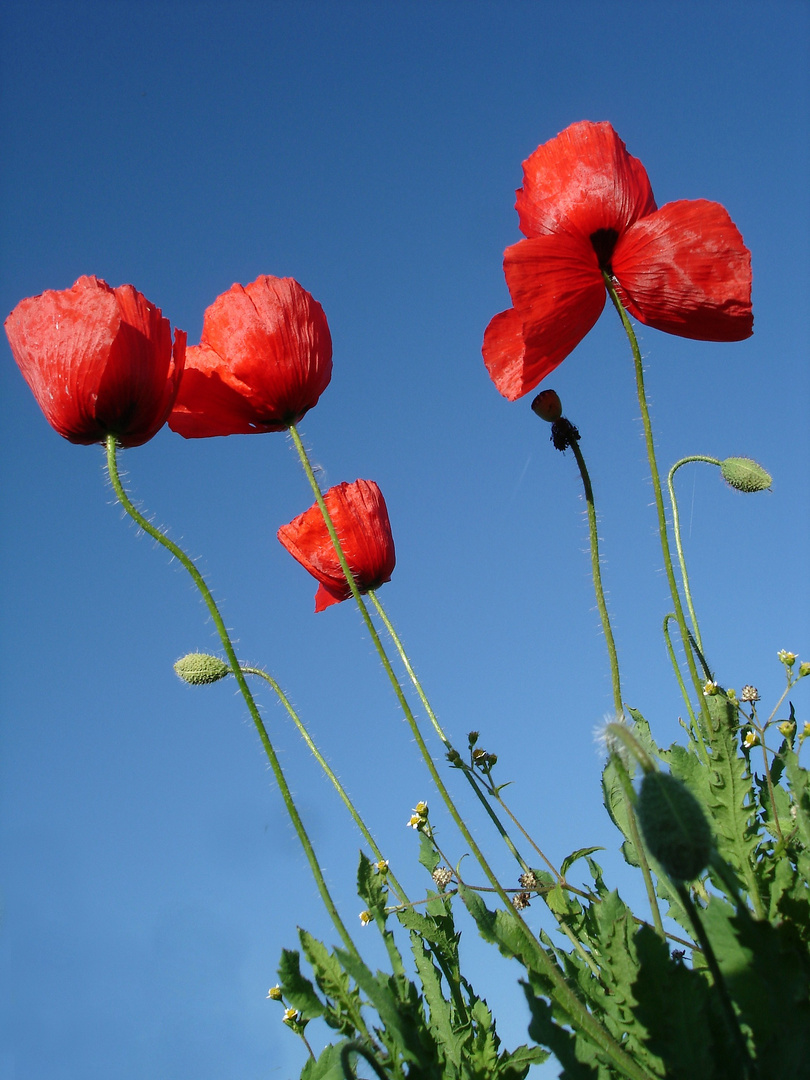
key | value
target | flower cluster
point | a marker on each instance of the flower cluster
(101, 363)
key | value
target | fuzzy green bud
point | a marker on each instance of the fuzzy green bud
(199, 669)
(674, 826)
(745, 475)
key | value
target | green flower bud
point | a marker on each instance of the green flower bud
(746, 475)
(674, 826)
(198, 669)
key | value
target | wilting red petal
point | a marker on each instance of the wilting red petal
(582, 181)
(98, 360)
(686, 270)
(360, 517)
(558, 294)
(264, 360)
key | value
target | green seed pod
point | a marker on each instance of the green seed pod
(199, 669)
(674, 826)
(745, 475)
(547, 406)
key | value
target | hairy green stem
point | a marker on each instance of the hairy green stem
(205, 592)
(659, 499)
(305, 735)
(596, 570)
(564, 993)
(676, 529)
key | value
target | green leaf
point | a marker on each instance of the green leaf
(326, 1067)
(581, 853)
(428, 855)
(297, 990)
(679, 1010)
(767, 971)
(576, 1055)
(615, 799)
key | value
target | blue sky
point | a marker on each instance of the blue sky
(370, 150)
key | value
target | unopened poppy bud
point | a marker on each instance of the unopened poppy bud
(199, 669)
(674, 826)
(547, 406)
(745, 475)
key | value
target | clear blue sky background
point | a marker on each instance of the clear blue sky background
(370, 150)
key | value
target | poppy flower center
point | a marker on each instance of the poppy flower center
(603, 242)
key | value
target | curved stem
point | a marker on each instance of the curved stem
(564, 993)
(304, 733)
(596, 570)
(659, 499)
(205, 592)
(676, 529)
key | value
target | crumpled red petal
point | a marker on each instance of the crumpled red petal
(360, 517)
(686, 270)
(581, 181)
(99, 360)
(264, 360)
(558, 294)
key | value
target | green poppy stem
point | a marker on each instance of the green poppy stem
(596, 570)
(205, 592)
(676, 529)
(565, 995)
(659, 499)
(356, 817)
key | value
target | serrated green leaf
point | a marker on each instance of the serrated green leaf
(576, 1055)
(767, 971)
(440, 1012)
(560, 902)
(799, 780)
(428, 855)
(615, 800)
(679, 1011)
(326, 1067)
(297, 989)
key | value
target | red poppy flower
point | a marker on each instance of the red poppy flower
(586, 206)
(99, 360)
(264, 360)
(360, 517)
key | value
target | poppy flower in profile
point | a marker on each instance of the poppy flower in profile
(587, 207)
(99, 360)
(360, 517)
(264, 359)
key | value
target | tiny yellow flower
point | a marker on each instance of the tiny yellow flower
(365, 918)
(787, 658)
(786, 728)
(381, 866)
(274, 993)
(290, 1016)
(710, 688)
(804, 668)
(421, 808)
(806, 728)
(414, 821)
(751, 739)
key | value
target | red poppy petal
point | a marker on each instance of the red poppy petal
(99, 360)
(581, 181)
(264, 360)
(211, 402)
(558, 295)
(360, 517)
(686, 270)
